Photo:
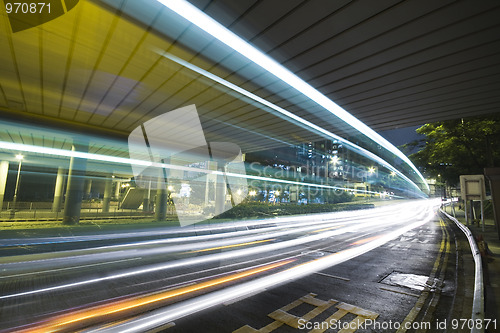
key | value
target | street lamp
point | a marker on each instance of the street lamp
(20, 158)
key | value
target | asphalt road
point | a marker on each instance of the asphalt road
(232, 276)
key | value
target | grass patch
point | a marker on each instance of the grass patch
(56, 228)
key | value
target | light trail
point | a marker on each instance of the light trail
(187, 262)
(18, 147)
(289, 225)
(192, 261)
(161, 316)
(197, 17)
(363, 236)
(66, 322)
(232, 246)
(290, 115)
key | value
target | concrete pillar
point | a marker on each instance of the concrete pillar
(4, 171)
(210, 178)
(74, 188)
(161, 204)
(118, 185)
(58, 191)
(146, 199)
(220, 192)
(108, 184)
(88, 188)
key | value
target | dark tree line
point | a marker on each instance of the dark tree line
(458, 147)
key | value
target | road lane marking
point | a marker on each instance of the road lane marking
(443, 248)
(282, 317)
(334, 276)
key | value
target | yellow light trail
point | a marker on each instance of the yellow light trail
(232, 245)
(325, 229)
(365, 240)
(72, 321)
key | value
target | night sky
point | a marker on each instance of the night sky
(401, 136)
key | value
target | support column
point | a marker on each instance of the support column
(146, 199)
(58, 191)
(4, 170)
(220, 192)
(88, 188)
(210, 178)
(161, 204)
(118, 184)
(108, 184)
(74, 188)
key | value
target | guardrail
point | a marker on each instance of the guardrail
(478, 301)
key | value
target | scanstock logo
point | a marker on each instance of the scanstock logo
(201, 178)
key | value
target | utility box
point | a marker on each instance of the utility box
(493, 175)
(472, 189)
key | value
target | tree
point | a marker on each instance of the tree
(456, 147)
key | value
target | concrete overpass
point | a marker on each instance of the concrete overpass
(390, 63)
(105, 67)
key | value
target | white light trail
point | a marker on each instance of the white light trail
(217, 30)
(410, 213)
(291, 115)
(161, 316)
(127, 161)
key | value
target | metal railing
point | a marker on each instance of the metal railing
(478, 300)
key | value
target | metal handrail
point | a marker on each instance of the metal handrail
(478, 301)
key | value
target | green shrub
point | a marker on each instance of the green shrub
(259, 209)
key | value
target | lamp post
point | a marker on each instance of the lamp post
(20, 158)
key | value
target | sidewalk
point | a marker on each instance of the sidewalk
(491, 264)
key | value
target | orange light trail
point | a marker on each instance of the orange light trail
(365, 240)
(74, 320)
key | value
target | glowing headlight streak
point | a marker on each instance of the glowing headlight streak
(182, 309)
(73, 320)
(232, 246)
(217, 30)
(292, 224)
(122, 160)
(289, 114)
(229, 254)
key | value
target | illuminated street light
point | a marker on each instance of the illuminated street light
(20, 158)
(393, 173)
(170, 188)
(252, 193)
(371, 170)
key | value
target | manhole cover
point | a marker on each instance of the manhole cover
(412, 281)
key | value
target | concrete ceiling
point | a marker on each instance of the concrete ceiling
(390, 63)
